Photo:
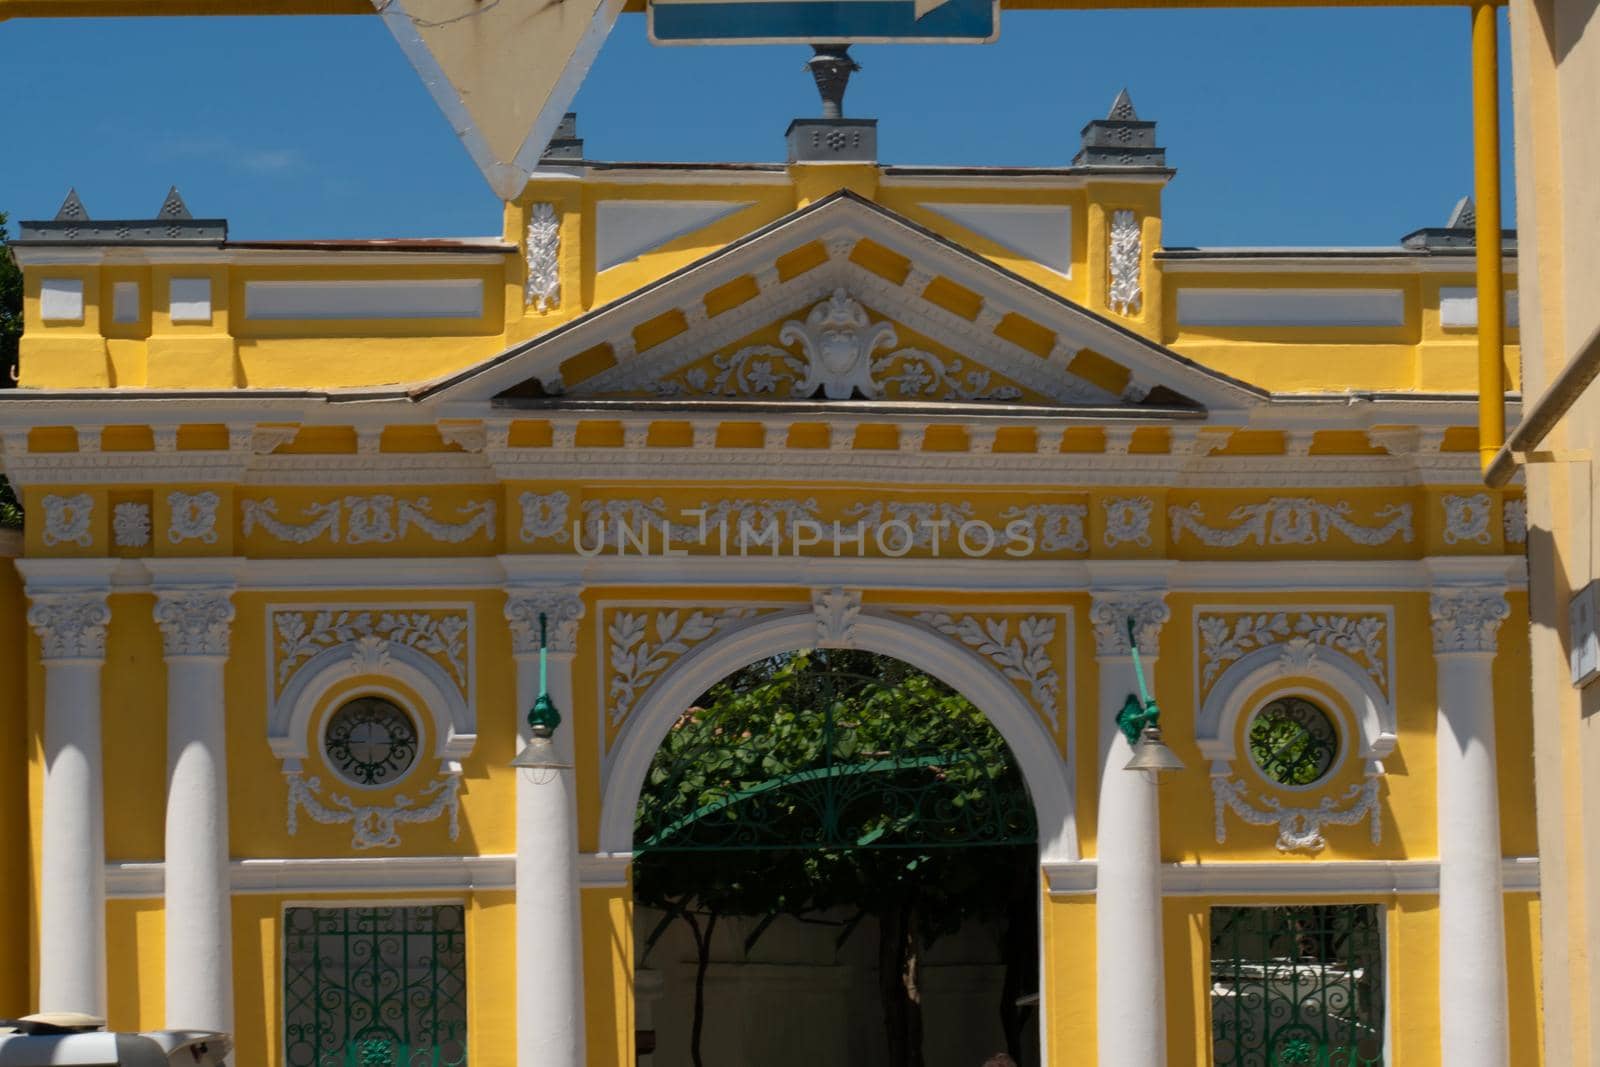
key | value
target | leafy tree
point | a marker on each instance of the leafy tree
(10, 341)
(823, 781)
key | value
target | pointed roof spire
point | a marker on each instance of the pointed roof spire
(1121, 139)
(1459, 232)
(1464, 216)
(1122, 108)
(173, 206)
(71, 209)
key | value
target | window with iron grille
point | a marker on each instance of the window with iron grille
(1297, 986)
(375, 987)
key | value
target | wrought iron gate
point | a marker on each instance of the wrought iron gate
(836, 750)
(1297, 986)
(375, 987)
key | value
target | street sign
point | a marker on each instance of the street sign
(819, 21)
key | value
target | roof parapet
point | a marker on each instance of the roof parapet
(1121, 139)
(1459, 231)
(171, 225)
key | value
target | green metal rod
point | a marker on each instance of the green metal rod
(1138, 667)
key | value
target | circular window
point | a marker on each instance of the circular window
(370, 741)
(1293, 742)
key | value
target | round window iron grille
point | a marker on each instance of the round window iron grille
(370, 742)
(1293, 742)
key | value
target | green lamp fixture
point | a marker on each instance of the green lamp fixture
(543, 717)
(1140, 722)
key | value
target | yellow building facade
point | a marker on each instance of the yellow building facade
(681, 417)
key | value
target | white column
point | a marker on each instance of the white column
(72, 902)
(549, 947)
(1129, 953)
(199, 931)
(1472, 943)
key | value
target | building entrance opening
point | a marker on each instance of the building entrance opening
(835, 862)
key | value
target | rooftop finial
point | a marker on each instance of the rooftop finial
(1464, 216)
(71, 209)
(173, 206)
(1122, 108)
(831, 68)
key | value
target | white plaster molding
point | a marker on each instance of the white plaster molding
(66, 519)
(1466, 619)
(467, 436)
(368, 519)
(543, 291)
(130, 524)
(194, 622)
(89, 438)
(1216, 724)
(1514, 518)
(192, 516)
(1299, 828)
(1291, 521)
(375, 825)
(1027, 658)
(1046, 774)
(562, 608)
(1110, 611)
(836, 611)
(1128, 520)
(643, 643)
(1299, 632)
(1466, 518)
(544, 517)
(70, 625)
(1124, 258)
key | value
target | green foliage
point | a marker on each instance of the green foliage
(1292, 741)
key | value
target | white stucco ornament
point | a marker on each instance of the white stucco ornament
(838, 340)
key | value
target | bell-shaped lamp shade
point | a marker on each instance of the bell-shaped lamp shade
(1152, 754)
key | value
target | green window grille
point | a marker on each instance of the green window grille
(375, 987)
(1293, 741)
(1297, 986)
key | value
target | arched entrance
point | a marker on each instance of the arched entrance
(842, 797)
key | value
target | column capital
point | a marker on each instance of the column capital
(1466, 619)
(1110, 611)
(562, 607)
(194, 622)
(71, 626)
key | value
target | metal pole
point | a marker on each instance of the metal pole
(1486, 197)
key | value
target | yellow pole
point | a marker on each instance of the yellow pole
(1486, 194)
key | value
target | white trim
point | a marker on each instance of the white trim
(378, 874)
(345, 300)
(1324, 878)
(1048, 777)
(1292, 261)
(61, 300)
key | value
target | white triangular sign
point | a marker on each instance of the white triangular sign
(502, 73)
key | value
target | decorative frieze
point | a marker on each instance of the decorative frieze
(192, 517)
(377, 518)
(66, 519)
(1466, 518)
(375, 825)
(130, 524)
(70, 625)
(1227, 636)
(1299, 828)
(1467, 618)
(194, 622)
(1056, 527)
(1026, 654)
(836, 611)
(1128, 520)
(440, 633)
(1291, 521)
(643, 642)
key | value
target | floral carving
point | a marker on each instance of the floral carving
(1128, 520)
(836, 611)
(130, 524)
(1466, 518)
(1467, 619)
(1023, 658)
(1225, 638)
(66, 519)
(544, 258)
(1514, 517)
(441, 634)
(1291, 521)
(544, 516)
(375, 825)
(193, 517)
(1109, 614)
(562, 608)
(264, 513)
(1124, 294)
(371, 519)
(643, 644)
(1299, 829)
(1059, 527)
(70, 625)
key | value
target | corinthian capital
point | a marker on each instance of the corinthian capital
(1467, 619)
(70, 625)
(561, 606)
(1110, 613)
(194, 622)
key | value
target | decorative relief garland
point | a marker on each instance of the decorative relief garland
(440, 633)
(66, 519)
(1299, 829)
(375, 825)
(1291, 521)
(643, 643)
(1225, 637)
(192, 517)
(369, 519)
(1025, 657)
(1466, 518)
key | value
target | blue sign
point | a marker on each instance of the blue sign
(824, 21)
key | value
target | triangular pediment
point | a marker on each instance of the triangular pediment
(846, 301)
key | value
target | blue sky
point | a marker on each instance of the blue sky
(1286, 127)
